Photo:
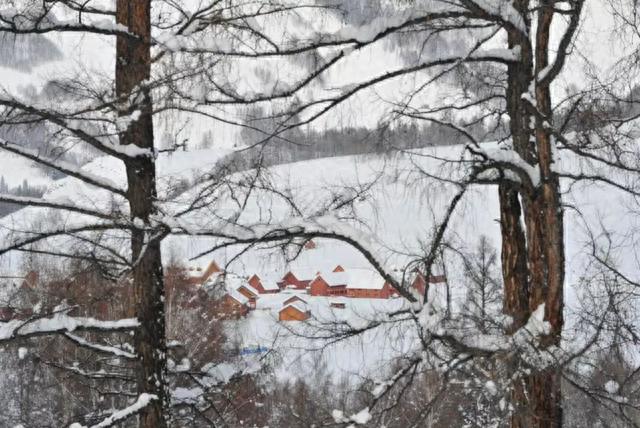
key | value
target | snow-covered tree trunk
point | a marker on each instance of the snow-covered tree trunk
(133, 68)
(533, 258)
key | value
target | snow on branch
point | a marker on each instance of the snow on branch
(105, 349)
(37, 18)
(60, 322)
(549, 73)
(20, 243)
(121, 415)
(62, 166)
(510, 160)
(39, 202)
(66, 122)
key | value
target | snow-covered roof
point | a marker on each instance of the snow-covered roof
(299, 306)
(335, 279)
(269, 282)
(367, 279)
(303, 273)
(8, 289)
(295, 297)
(236, 295)
(250, 288)
(233, 281)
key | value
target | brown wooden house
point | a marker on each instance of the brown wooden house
(264, 285)
(199, 277)
(329, 285)
(294, 312)
(250, 293)
(232, 305)
(300, 279)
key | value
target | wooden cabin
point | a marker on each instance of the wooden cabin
(294, 312)
(264, 285)
(332, 284)
(299, 280)
(250, 293)
(356, 283)
(232, 305)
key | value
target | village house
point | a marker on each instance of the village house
(357, 283)
(298, 279)
(329, 284)
(264, 284)
(295, 311)
(198, 276)
(419, 284)
(233, 305)
(18, 296)
(250, 293)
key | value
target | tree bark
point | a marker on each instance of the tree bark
(133, 68)
(533, 258)
(546, 385)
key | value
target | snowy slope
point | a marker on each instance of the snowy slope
(398, 209)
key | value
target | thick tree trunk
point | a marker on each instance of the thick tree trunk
(133, 67)
(546, 386)
(533, 268)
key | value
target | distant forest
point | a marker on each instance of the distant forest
(24, 190)
(297, 145)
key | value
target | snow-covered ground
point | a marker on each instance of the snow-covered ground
(296, 355)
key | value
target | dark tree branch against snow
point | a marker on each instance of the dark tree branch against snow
(484, 169)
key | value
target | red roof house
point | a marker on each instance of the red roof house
(232, 305)
(300, 279)
(264, 285)
(329, 284)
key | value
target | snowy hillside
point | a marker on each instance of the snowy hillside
(397, 203)
(395, 200)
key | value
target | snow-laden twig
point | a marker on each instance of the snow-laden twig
(35, 18)
(120, 415)
(62, 166)
(60, 323)
(42, 203)
(106, 349)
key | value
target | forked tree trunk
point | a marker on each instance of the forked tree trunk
(533, 258)
(133, 67)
